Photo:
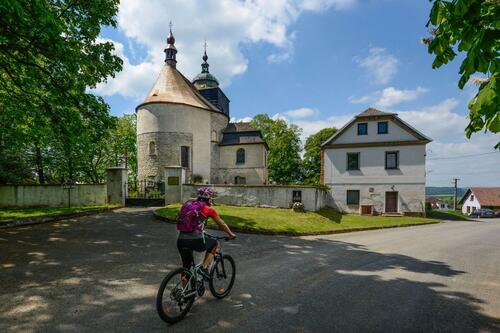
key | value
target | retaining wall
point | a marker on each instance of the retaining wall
(313, 198)
(51, 195)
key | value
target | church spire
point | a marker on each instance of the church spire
(204, 65)
(170, 50)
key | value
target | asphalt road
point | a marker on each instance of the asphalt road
(101, 274)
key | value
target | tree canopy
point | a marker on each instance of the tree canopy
(50, 55)
(283, 140)
(472, 27)
(311, 163)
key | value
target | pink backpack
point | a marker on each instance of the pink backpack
(189, 219)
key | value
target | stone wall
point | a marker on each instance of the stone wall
(265, 196)
(51, 195)
(218, 124)
(168, 152)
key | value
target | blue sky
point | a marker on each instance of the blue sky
(315, 63)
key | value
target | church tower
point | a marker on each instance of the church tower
(178, 125)
(208, 86)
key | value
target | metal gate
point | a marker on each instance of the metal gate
(145, 193)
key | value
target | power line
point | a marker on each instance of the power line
(462, 156)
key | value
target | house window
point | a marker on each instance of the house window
(468, 209)
(152, 148)
(472, 197)
(353, 197)
(352, 161)
(240, 156)
(382, 127)
(214, 136)
(185, 156)
(391, 160)
(362, 128)
(473, 208)
(240, 180)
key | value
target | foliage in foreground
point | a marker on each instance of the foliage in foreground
(473, 27)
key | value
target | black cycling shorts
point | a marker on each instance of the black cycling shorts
(187, 246)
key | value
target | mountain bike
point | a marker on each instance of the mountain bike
(180, 287)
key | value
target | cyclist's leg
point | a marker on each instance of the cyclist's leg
(211, 248)
(186, 252)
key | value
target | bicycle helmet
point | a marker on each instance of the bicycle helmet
(206, 193)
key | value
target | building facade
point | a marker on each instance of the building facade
(184, 123)
(480, 197)
(375, 164)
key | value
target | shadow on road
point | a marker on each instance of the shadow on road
(101, 274)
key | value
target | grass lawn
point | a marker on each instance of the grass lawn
(277, 220)
(448, 215)
(10, 214)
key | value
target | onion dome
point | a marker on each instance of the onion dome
(205, 79)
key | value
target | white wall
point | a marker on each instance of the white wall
(395, 133)
(271, 196)
(372, 166)
(51, 195)
(471, 203)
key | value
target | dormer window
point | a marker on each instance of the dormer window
(382, 127)
(362, 128)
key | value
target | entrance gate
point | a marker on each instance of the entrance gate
(145, 193)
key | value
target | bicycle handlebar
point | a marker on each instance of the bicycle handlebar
(225, 238)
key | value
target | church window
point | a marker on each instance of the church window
(214, 135)
(240, 156)
(185, 156)
(152, 148)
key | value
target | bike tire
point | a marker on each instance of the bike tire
(221, 267)
(171, 319)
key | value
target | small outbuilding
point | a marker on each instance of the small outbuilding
(480, 197)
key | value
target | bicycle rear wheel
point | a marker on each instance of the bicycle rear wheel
(176, 295)
(222, 276)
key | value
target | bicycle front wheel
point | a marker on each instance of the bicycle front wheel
(222, 276)
(176, 295)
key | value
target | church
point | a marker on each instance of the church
(186, 123)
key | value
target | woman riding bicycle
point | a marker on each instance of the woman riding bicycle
(190, 240)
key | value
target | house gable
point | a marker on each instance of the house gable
(398, 131)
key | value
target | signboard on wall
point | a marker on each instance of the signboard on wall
(297, 196)
(173, 181)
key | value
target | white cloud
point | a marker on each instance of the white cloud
(380, 65)
(389, 96)
(241, 120)
(226, 25)
(392, 96)
(302, 113)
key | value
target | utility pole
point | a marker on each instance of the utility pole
(455, 181)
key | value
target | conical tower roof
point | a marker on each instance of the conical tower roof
(173, 87)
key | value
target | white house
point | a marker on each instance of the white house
(376, 164)
(480, 197)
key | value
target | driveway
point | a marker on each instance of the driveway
(100, 274)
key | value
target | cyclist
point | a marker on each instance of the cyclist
(196, 240)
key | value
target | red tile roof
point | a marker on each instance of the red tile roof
(487, 196)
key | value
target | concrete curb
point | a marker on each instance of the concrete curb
(296, 234)
(51, 218)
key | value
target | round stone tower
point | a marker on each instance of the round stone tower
(178, 126)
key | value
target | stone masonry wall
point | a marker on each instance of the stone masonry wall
(168, 152)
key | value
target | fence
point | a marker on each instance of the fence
(313, 198)
(52, 195)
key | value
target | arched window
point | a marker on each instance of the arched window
(152, 148)
(214, 136)
(240, 156)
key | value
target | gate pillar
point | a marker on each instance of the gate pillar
(116, 185)
(175, 176)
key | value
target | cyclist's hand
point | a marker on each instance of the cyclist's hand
(232, 236)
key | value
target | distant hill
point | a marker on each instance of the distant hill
(437, 190)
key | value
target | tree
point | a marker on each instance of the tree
(311, 163)
(284, 148)
(49, 56)
(473, 27)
